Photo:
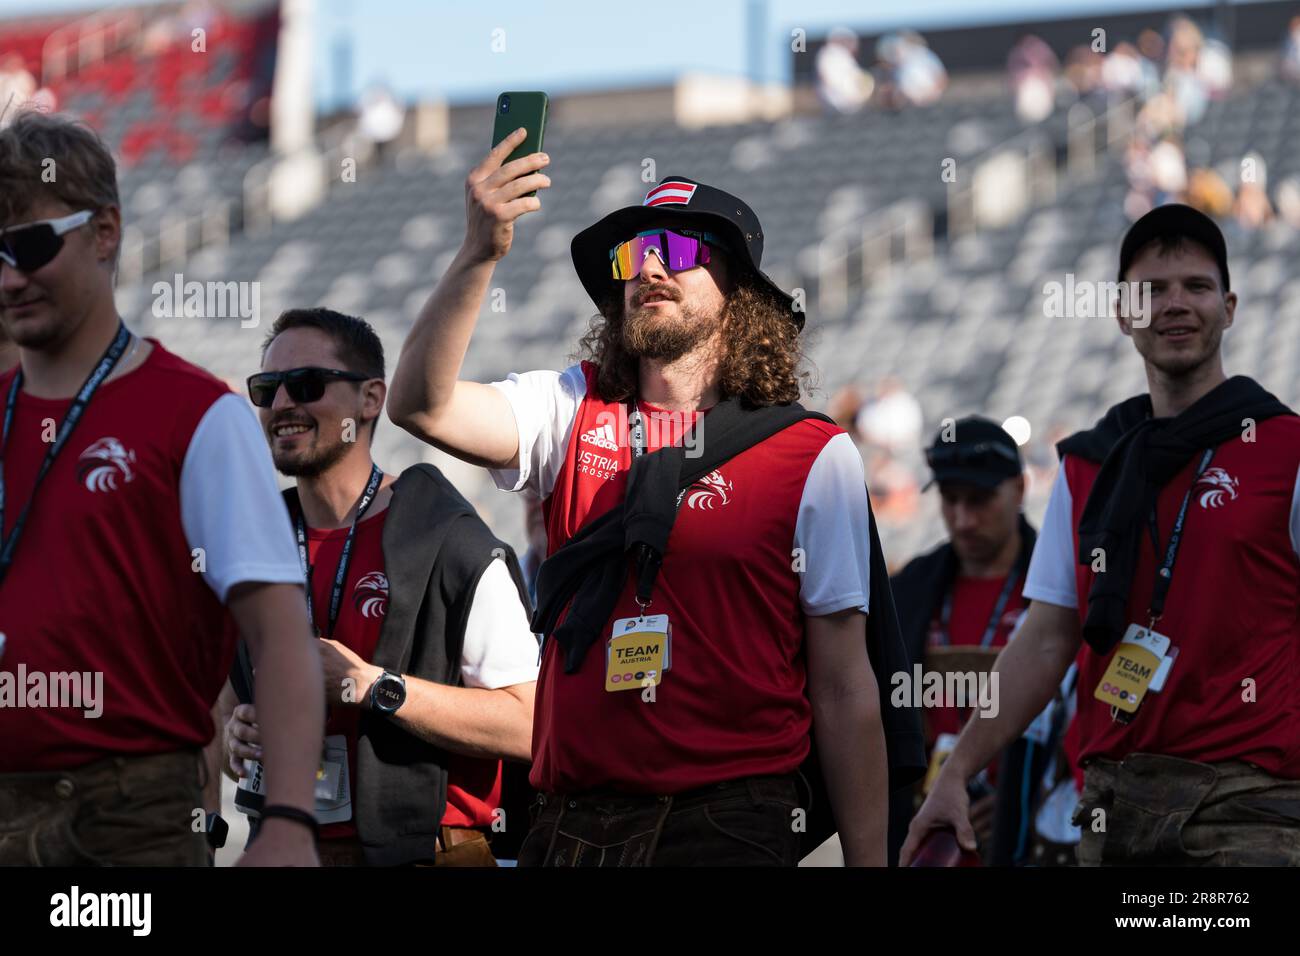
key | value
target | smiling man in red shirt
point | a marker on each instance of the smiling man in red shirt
(1169, 565)
(421, 613)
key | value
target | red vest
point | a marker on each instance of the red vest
(733, 703)
(1233, 613)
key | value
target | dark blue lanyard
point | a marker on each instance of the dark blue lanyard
(80, 402)
(1165, 574)
(341, 573)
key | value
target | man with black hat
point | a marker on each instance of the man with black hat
(962, 599)
(1169, 564)
(683, 681)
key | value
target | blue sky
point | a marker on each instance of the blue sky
(423, 47)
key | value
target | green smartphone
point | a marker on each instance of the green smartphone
(526, 109)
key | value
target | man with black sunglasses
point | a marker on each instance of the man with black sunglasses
(422, 616)
(684, 680)
(140, 532)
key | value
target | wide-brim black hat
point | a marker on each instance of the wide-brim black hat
(677, 198)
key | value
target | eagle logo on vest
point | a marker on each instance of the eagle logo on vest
(370, 596)
(710, 490)
(1220, 487)
(104, 464)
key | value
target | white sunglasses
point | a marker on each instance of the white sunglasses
(30, 246)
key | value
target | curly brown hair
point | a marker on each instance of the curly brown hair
(763, 363)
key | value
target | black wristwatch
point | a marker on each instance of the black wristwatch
(388, 693)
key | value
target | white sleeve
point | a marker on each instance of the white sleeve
(545, 405)
(833, 533)
(230, 504)
(499, 650)
(1295, 516)
(1051, 576)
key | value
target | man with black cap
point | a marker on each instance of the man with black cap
(965, 595)
(684, 680)
(1169, 564)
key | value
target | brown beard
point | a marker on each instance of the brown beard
(647, 335)
(312, 461)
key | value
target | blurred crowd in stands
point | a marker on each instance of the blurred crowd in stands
(1169, 78)
(19, 89)
(906, 73)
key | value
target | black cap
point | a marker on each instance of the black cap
(1175, 219)
(705, 207)
(977, 452)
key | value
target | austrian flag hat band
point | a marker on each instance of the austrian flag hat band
(670, 191)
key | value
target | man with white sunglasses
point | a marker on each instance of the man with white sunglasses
(140, 530)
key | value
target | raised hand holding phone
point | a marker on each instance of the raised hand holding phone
(499, 189)
(496, 195)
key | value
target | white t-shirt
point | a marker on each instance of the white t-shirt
(499, 650)
(1051, 577)
(231, 507)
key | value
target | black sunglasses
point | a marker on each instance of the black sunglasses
(34, 244)
(978, 454)
(303, 384)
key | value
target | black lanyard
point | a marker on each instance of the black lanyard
(80, 402)
(945, 614)
(341, 573)
(647, 561)
(1165, 574)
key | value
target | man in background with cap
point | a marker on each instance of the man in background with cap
(682, 681)
(966, 593)
(1169, 565)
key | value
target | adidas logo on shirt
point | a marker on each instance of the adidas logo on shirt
(602, 437)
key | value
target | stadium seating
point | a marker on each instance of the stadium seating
(964, 331)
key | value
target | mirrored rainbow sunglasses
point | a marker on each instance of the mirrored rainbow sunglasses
(676, 249)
